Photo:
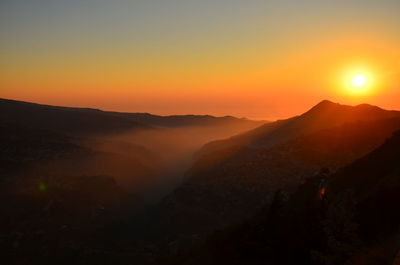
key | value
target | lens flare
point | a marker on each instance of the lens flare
(42, 187)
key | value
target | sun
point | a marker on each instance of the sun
(359, 84)
(357, 81)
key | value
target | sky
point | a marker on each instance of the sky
(261, 59)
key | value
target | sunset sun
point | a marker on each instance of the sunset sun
(359, 84)
(358, 81)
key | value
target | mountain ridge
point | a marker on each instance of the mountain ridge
(282, 130)
(142, 119)
(226, 184)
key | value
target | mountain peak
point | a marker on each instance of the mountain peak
(325, 102)
(368, 107)
(323, 105)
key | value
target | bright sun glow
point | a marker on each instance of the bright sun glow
(359, 84)
(359, 80)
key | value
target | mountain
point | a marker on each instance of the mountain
(124, 145)
(375, 184)
(76, 179)
(325, 114)
(234, 178)
(86, 121)
(75, 121)
(73, 175)
(175, 121)
(355, 221)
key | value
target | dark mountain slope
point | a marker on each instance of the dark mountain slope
(222, 191)
(375, 181)
(76, 121)
(377, 171)
(356, 221)
(85, 121)
(324, 115)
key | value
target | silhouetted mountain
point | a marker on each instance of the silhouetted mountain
(325, 114)
(76, 121)
(354, 221)
(174, 121)
(84, 121)
(227, 185)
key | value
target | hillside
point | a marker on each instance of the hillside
(325, 114)
(355, 222)
(86, 121)
(76, 121)
(229, 185)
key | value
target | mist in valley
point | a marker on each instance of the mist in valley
(152, 162)
(146, 164)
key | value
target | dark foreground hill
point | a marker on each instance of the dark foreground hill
(350, 217)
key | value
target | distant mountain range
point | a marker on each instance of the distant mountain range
(174, 121)
(85, 121)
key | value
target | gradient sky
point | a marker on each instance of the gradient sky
(253, 58)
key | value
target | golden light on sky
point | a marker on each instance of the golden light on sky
(255, 58)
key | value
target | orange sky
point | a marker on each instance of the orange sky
(257, 61)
